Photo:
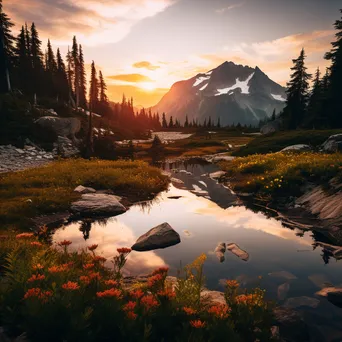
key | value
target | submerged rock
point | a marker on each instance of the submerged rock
(98, 205)
(333, 294)
(161, 236)
(296, 302)
(235, 249)
(283, 274)
(220, 250)
(283, 289)
(84, 190)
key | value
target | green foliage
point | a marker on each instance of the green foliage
(49, 189)
(51, 293)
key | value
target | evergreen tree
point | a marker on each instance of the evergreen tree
(103, 88)
(38, 83)
(297, 93)
(28, 41)
(218, 123)
(76, 70)
(8, 39)
(164, 122)
(209, 122)
(93, 97)
(171, 124)
(51, 70)
(22, 59)
(83, 80)
(205, 122)
(186, 123)
(62, 84)
(273, 117)
(70, 74)
(333, 104)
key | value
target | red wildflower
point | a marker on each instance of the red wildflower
(92, 247)
(115, 293)
(232, 284)
(197, 324)
(168, 293)
(137, 294)
(149, 302)
(160, 270)
(88, 266)
(37, 267)
(24, 236)
(95, 276)
(58, 269)
(64, 243)
(36, 277)
(36, 244)
(219, 311)
(152, 281)
(111, 282)
(85, 280)
(124, 250)
(70, 285)
(99, 259)
(130, 306)
(38, 293)
(131, 315)
(189, 311)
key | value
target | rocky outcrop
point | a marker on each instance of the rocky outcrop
(161, 236)
(333, 294)
(102, 205)
(332, 144)
(271, 127)
(297, 148)
(84, 190)
(65, 127)
(65, 148)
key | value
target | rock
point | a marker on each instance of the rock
(271, 127)
(333, 294)
(332, 144)
(213, 297)
(296, 302)
(51, 221)
(235, 249)
(97, 205)
(161, 236)
(65, 127)
(177, 181)
(220, 250)
(84, 190)
(283, 290)
(65, 147)
(217, 174)
(297, 148)
(283, 274)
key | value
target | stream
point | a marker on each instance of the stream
(282, 261)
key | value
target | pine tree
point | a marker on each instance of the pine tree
(218, 123)
(70, 74)
(51, 70)
(273, 117)
(93, 98)
(164, 122)
(205, 122)
(333, 105)
(171, 124)
(62, 84)
(8, 39)
(76, 70)
(297, 93)
(103, 88)
(83, 80)
(38, 80)
(186, 123)
(22, 59)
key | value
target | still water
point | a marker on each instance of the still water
(282, 261)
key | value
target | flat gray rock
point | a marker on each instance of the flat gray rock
(296, 302)
(235, 249)
(98, 205)
(161, 236)
(84, 190)
(297, 148)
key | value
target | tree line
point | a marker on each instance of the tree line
(321, 106)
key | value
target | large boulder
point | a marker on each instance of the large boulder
(271, 127)
(65, 127)
(161, 236)
(333, 144)
(98, 205)
(297, 148)
(66, 148)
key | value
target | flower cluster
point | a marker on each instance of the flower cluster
(36, 277)
(38, 293)
(71, 286)
(24, 236)
(219, 311)
(111, 293)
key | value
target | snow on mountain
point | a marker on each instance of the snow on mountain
(234, 93)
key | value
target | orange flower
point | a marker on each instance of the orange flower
(168, 293)
(233, 284)
(58, 269)
(124, 250)
(111, 282)
(38, 293)
(137, 294)
(71, 285)
(152, 281)
(95, 276)
(99, 259)
(85, 280)
(36, 244)
(189, 311)
(36, 277)
(149, 302)
(160, 270)
(114, 293)
(197, 324)
(219, 311)
(131, 315)
(24, 236)
(130, 306)
(92, 247)
(88, 266)
(37, 267)
(64, 243)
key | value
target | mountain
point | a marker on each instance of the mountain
(233, 93)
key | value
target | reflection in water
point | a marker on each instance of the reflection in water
(202, 222)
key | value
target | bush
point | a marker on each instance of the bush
(56, 295)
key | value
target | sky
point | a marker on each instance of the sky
(144, 46)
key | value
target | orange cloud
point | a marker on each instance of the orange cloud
(131, 78)
(145, 65)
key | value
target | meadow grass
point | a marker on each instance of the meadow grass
(49, 189)
(282, 173)
(277, 141)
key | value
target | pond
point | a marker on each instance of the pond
(204, 213)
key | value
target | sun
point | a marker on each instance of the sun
(149, 86)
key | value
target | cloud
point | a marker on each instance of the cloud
(131, 78)
(228, 8)
(145, 65)
(93, 22)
